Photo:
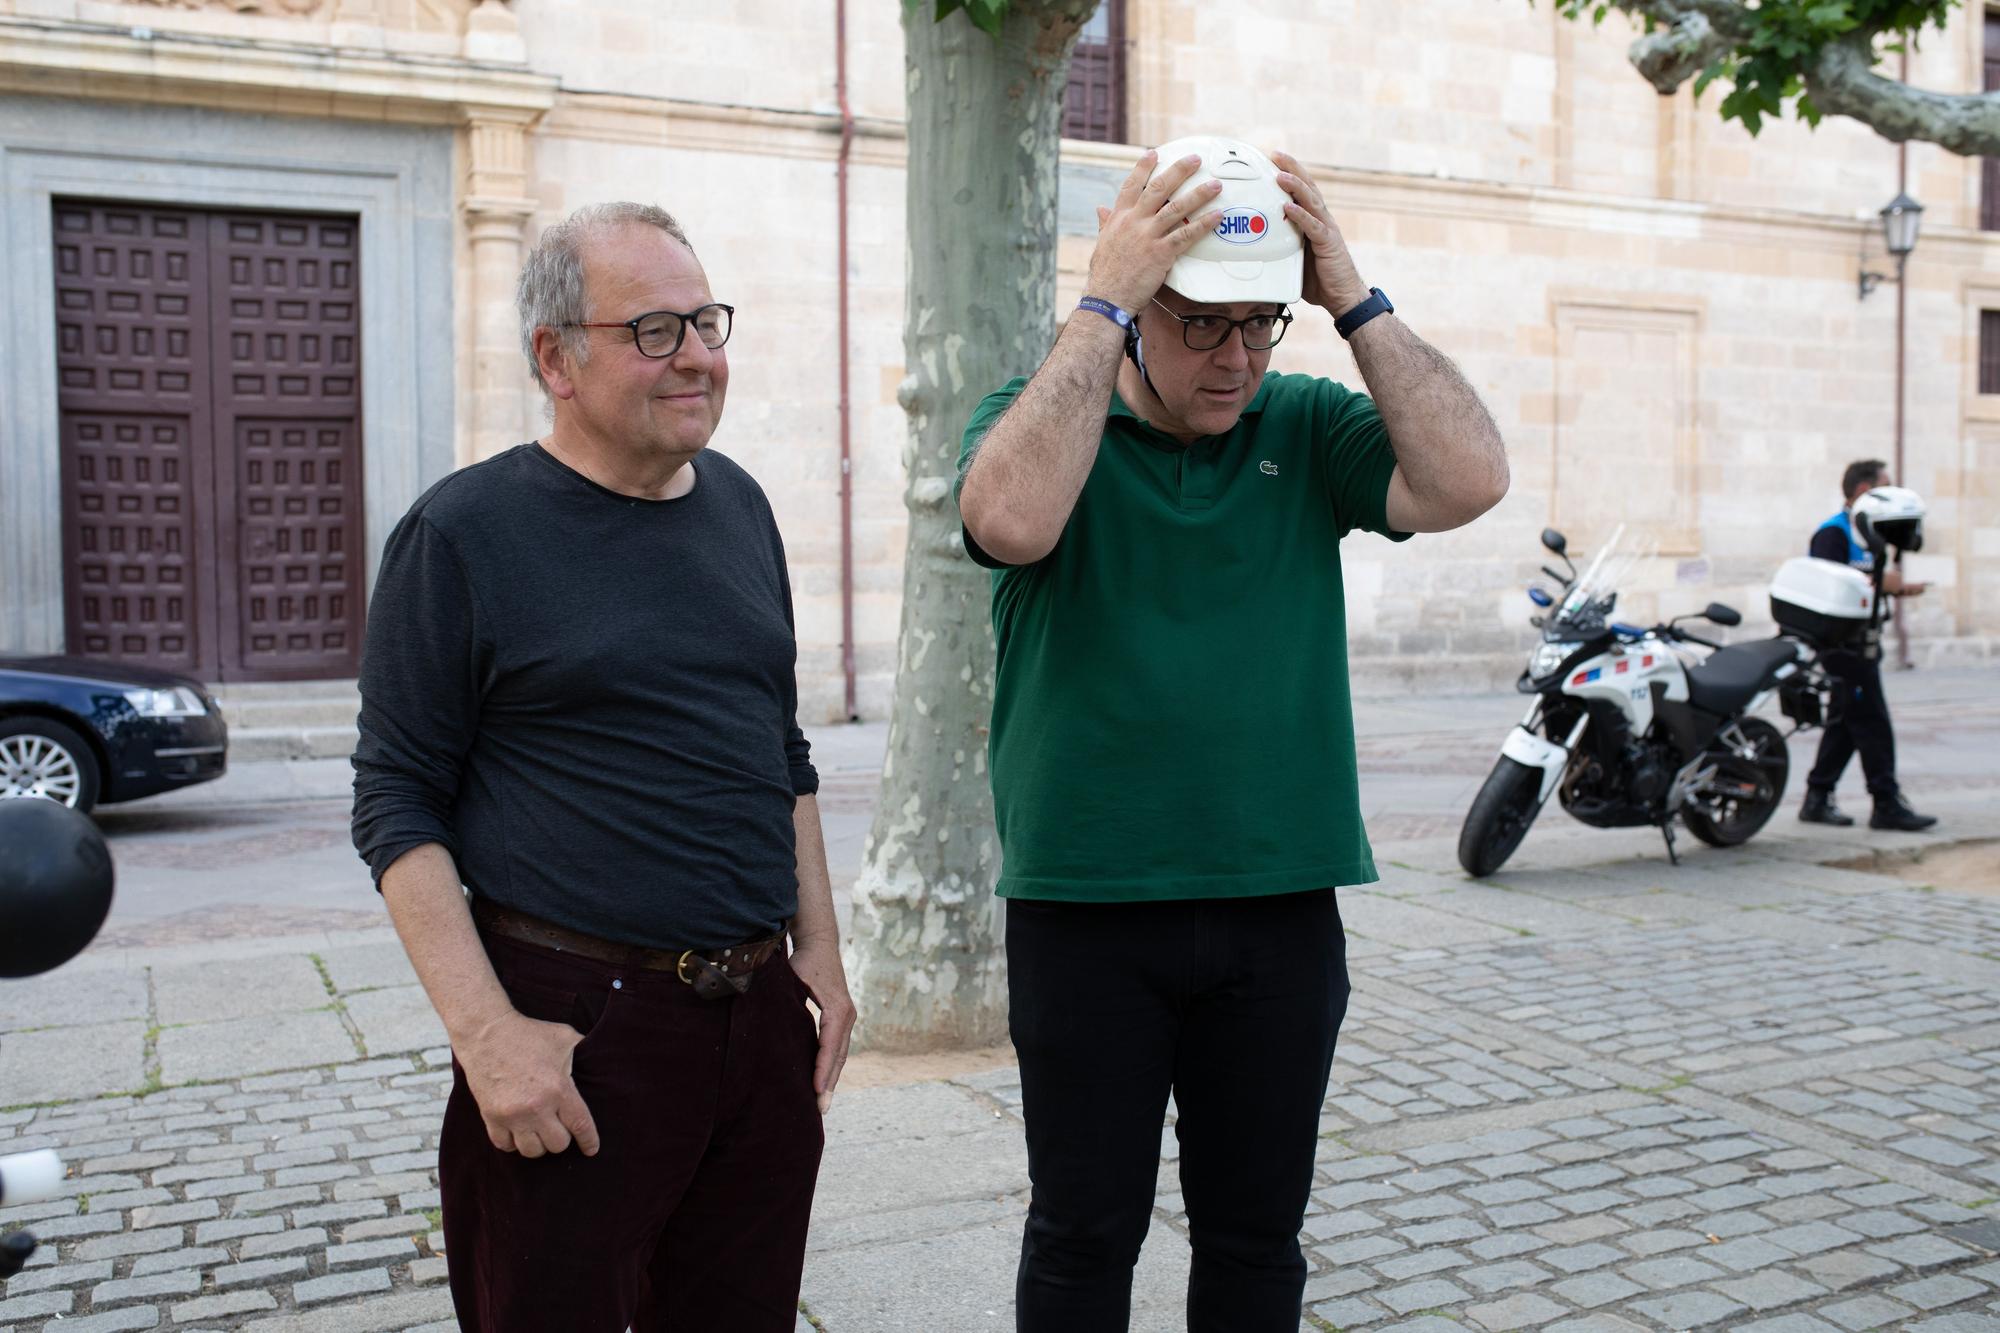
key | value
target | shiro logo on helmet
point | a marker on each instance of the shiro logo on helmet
(1242, 226)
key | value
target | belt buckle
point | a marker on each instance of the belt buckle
(709, 981)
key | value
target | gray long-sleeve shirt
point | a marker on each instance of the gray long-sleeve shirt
(590, 700)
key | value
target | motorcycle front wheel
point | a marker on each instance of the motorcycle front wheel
(1739, 811)
(1499, 817)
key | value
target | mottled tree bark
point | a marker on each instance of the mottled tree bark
(924, 953)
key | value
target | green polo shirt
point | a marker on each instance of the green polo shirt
(1171, 715)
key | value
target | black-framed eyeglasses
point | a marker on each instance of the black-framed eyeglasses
(659, 333)
(1205, 333)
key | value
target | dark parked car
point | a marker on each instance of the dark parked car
(89, 733)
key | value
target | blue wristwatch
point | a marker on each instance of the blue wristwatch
(1376, 304)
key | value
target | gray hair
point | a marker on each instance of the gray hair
(551, 294)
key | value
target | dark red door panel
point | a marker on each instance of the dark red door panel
(288, 402)
(132, 369)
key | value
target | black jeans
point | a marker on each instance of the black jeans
(1230, 1004)
(1857, 719)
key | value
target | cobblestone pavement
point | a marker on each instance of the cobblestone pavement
(1754, 1092)
(297, 1201)
(1762, 1119)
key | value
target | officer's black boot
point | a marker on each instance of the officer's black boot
(1820, 809)
(1892, 813)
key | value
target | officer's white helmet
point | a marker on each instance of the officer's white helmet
(1895, 513)
(1255, 253)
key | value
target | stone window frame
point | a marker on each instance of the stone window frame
(1979, 295)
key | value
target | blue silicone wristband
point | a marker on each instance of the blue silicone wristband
(1108, 310)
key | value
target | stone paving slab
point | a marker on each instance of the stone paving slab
(1515, 911)
(964, 1280)
(1398, 921)
(70, 998)
(228, 988)
(1655, 905)
(240, 1046)
(914, 1160)
(57, 1064)
(357, 967)
(1564, 883)
(399, 1311)
(394, 1020)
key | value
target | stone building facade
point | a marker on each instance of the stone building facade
(257, 262)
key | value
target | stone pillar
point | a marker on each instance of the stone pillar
(496, 205)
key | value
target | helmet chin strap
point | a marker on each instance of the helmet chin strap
(1135, 349)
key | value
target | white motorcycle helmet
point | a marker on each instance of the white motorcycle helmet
(1254, 253)
(1893, 513)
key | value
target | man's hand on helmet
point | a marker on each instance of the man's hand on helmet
(1143, 232)
(1331, 280)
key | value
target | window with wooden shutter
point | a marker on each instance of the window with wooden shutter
(1094, 105)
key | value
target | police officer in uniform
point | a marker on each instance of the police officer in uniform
(1858, 718)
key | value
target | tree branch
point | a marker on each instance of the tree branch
(1685, 37)
(1842, 82)
(1690, 36)
(1674, 54)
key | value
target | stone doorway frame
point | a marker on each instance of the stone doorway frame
(398, 179)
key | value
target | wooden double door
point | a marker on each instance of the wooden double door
(209, 373)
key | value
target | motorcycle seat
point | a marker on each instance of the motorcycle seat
(1732, 676)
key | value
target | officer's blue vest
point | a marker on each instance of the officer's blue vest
(1858, 555)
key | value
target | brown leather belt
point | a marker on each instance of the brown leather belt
(712, 972)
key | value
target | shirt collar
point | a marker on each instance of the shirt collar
(1119, 407)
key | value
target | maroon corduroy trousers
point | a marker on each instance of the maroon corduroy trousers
(693, 1213)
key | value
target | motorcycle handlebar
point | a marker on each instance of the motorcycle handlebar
(1671, 632)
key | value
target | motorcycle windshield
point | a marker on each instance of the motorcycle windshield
(1594, 593)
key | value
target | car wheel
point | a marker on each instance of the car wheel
(43, 758)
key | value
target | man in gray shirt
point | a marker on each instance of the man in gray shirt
(579, 702)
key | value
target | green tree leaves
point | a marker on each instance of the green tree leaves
(986, 15)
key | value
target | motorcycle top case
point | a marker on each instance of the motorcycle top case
(1818, 600)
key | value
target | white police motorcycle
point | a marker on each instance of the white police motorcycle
(1626, 733)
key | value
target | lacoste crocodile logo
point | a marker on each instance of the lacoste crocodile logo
(1268, 468)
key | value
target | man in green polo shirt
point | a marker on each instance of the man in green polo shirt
(1172, 744)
